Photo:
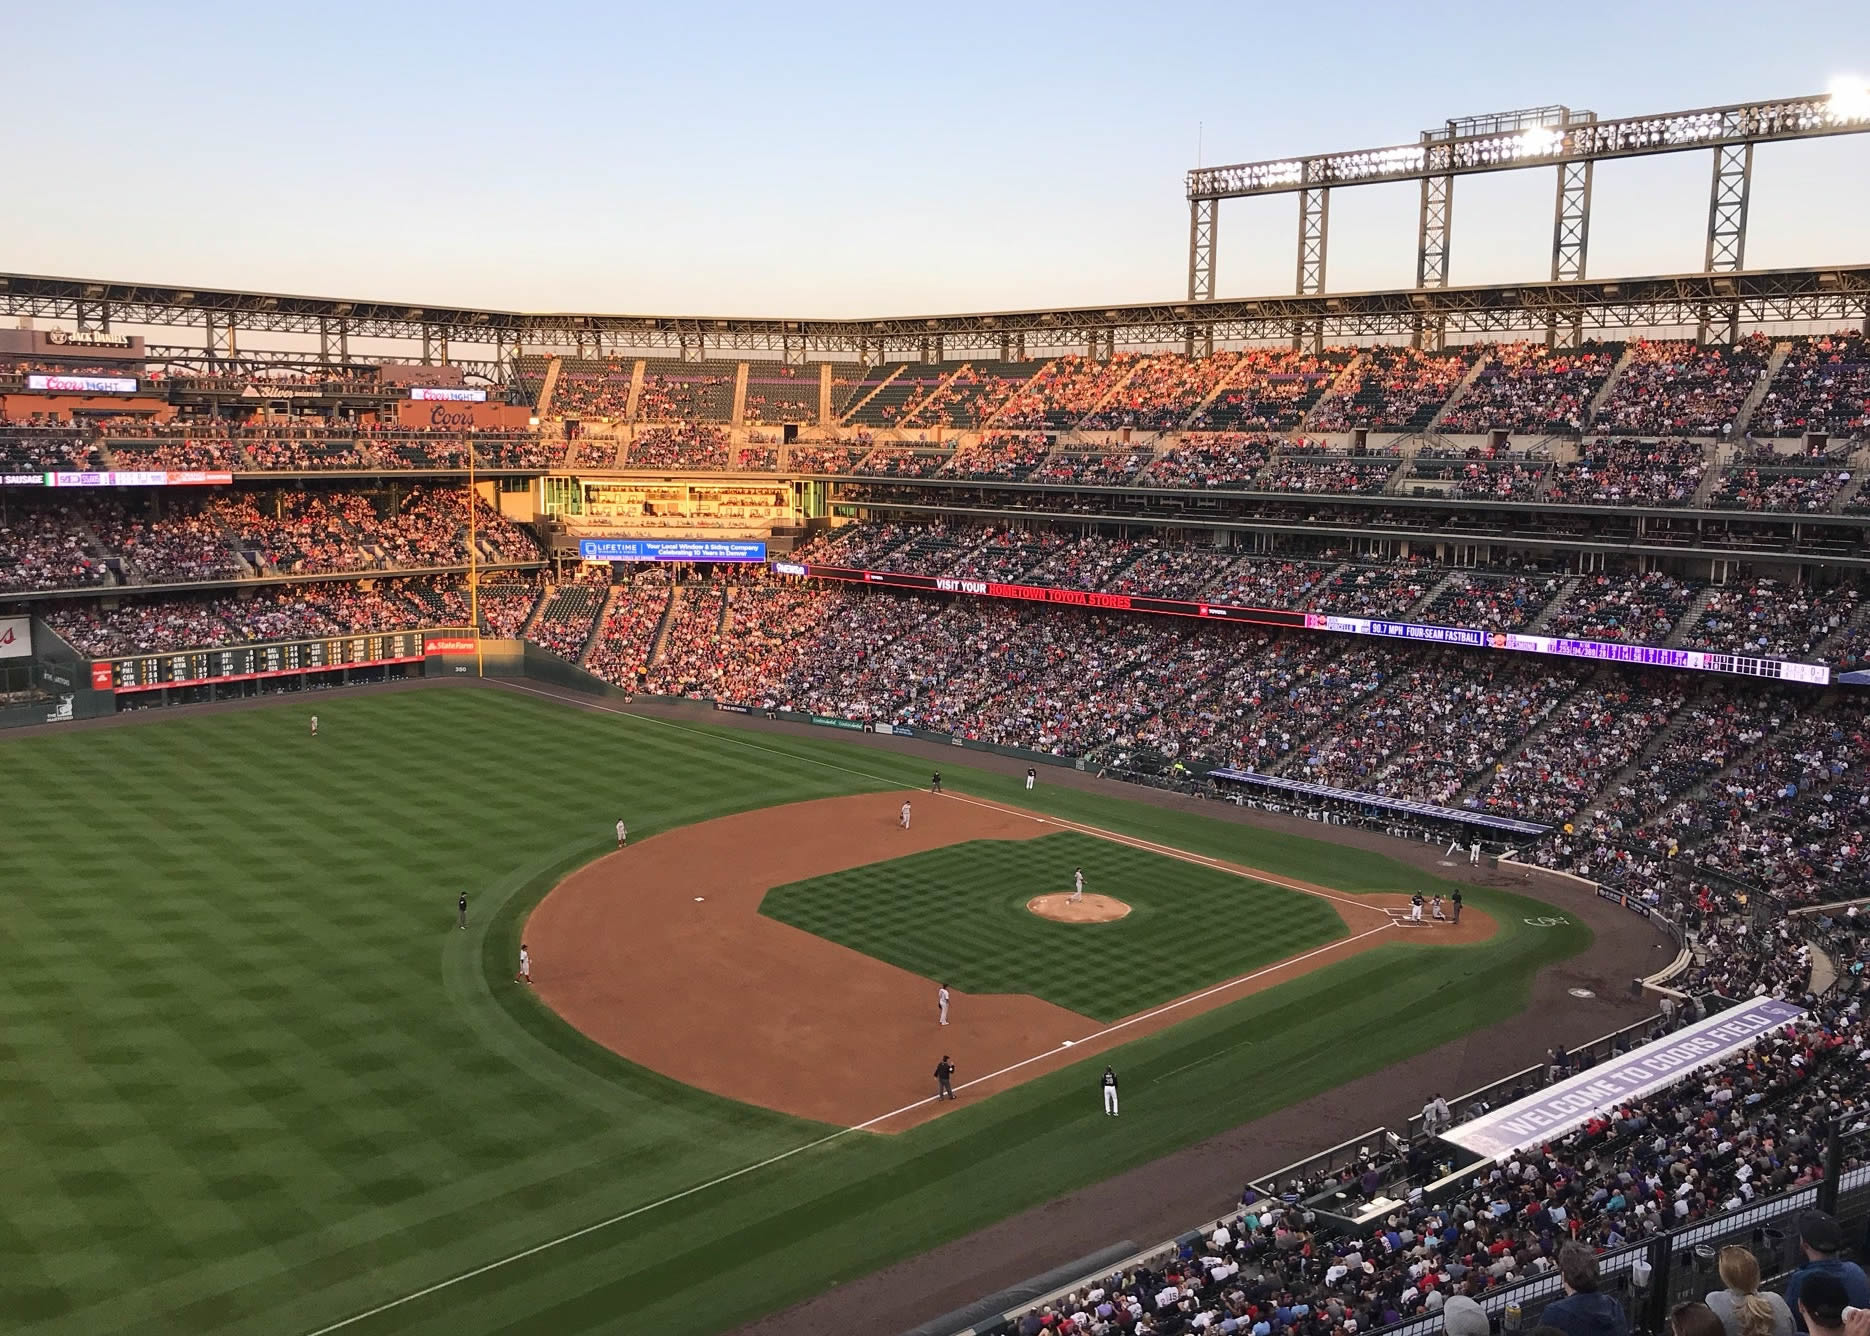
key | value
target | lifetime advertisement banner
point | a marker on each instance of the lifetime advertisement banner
(1571, 1103)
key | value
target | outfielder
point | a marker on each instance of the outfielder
(1032, 777)
(314, 725)
(623, 832)
(905, 814)
(941, 1002)
(461, 911)
(1109, 1083)
(1077, 885)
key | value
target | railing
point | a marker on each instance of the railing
(1588, 1054)
(1345, 1152)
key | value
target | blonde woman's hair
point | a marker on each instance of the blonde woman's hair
(1740, 1272)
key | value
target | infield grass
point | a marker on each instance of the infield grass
(256, 1081)
(959, 915)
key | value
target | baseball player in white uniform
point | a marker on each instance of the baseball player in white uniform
(1031, 776)
(525, 965)
(905, 814)
(314, 725)
(941, 1002)
(623, 832)
(1077, 885)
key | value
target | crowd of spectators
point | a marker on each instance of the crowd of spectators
(38, 445)
(1220, 459)
(50, 547)
(1162, 391)
(691, 445)
(1763, 479)
(1485, 472)
(620, 653)
(163, 625)
(1745, 1129)
(1676, 387)
(1641, 609)
(693, 646)
(1771, 618)
(1304, 467)
(1823, 386)
(1631, 473)
(1527, 387)
(1393, 388)
(998, 456)
(1587, 739)
(1095, 468)
(1270, 390)
(1491, 602)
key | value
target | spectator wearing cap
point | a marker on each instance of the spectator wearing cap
(1823, 1297)
(1821, 1241)
(1583, 1311)
(1462, 1316)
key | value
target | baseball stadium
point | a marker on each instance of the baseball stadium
(1318, 814)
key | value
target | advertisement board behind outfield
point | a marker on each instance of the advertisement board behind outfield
(449, 645)
(15, 637)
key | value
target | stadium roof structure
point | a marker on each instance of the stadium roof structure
(1717, 300)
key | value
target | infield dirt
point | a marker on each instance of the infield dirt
(659, 952)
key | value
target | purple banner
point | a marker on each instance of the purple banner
(1570, 1104)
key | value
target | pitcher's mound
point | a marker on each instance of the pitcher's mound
(1091, 909)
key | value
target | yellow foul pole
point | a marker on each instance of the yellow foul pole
(480, 657)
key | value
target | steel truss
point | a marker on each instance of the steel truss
(469, 337)
(1512, 141)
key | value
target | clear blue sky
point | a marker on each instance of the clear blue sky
(847, 160)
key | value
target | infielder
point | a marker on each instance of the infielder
(623, 832)
(905, 814)
(944, 1078)
(314, 725)
(941, 1002)
(525, 965)
(461, 911)
(1415, 907)
(1109, 1083)
(1077, 885)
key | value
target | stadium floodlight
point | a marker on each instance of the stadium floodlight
(1848, 99)
(1568, 139)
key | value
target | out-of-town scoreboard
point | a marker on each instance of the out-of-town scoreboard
(147, 672)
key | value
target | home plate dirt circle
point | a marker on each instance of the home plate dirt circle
(1059, 908)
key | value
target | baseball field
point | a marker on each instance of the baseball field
(257, 1080)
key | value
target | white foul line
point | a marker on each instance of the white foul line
(841, 1132)
(771, 1160)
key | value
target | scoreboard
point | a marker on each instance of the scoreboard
(147, 672)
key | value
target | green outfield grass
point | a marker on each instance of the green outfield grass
(256, 1081)
(959, 914)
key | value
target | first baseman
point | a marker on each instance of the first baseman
(941, 1002)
